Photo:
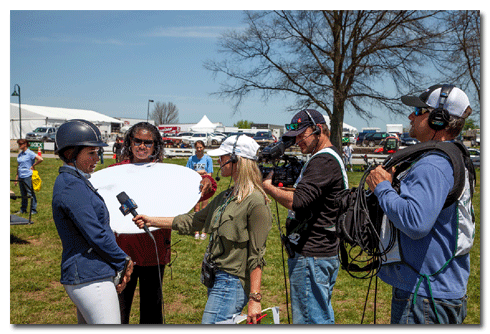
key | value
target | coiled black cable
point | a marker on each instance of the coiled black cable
(360, 249)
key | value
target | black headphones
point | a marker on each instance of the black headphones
(317, 130)
(439, 117)
(233, 156)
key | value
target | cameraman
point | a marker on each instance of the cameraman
(311, 219)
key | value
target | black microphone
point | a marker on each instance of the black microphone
(219, 171)
(127, 206)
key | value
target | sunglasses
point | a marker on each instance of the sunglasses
(292, 126)
(420, 111)
(138, 142)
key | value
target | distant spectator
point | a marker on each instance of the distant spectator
(117, 148)
(26, 161)
(203, 164)
(347, 155)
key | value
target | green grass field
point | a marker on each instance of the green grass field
(37, 297)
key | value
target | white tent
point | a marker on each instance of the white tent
(35, 116)
(345, 126)
(204, 125)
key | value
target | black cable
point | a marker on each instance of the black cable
(159, 275)
(364, 246)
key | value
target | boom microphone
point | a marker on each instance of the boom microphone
(127, 206)
(219, 171)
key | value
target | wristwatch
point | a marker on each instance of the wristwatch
(255, 296)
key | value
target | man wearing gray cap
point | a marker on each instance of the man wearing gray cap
(311, 219)
(430, 264)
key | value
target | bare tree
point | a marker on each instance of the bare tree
(165, 113)
(328, 59)
(462, 51)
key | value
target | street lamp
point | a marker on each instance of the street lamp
(148, 113)
(15, 93)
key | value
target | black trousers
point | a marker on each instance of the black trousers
(151, 310)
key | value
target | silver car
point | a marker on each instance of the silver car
(475, 156)
(41, 133)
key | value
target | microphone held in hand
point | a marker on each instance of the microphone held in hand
(129, 206)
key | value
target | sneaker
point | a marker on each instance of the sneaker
(19, 212)
(203, 236)
(33, 212)
(196, 236)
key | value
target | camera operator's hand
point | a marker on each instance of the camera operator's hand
(282, 195)
(378, 175)
(267, 181)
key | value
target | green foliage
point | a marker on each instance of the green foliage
(471, 123)
(243, 124)
(37, 297)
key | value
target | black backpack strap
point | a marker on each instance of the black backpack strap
(457, 153)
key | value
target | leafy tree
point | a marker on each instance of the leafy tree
(242, 124)
(165, 113)
(470, 123)
(329, 60)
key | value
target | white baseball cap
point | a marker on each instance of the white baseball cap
(456, 103)
(242, 145)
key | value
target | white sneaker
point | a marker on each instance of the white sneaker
(196, 236)
(203, 236)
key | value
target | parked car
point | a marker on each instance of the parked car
(51, 137)
(41, 133)
(264, 138)
(360, 137)
(217, 138)
(374, 138)
(476, 141)
(177, 140)
(251, 135)
(406, 140)
(475, 156)
(348, 138)
(205, 137)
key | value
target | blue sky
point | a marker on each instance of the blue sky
(113, 62)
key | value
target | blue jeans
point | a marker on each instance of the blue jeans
(311, 282)
(226, 298)
(25, 191)
(403, 311)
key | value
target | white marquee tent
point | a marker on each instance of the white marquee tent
(204, 125)
(35, 116)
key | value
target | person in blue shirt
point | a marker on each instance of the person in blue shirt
(429, 266)
(203, 164)
(94, 269)
(26, 161)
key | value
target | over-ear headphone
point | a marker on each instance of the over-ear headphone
(317, 130)
(233, 156)
(439, 117)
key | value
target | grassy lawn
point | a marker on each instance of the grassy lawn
(37, 297)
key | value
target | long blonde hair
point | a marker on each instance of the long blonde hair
(248, 179)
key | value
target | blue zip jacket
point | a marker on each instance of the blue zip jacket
(90, 251)
(428, 234)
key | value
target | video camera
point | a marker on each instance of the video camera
(285, 174)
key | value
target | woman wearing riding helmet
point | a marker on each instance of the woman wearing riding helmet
(91, 257)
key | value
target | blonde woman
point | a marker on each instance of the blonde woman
(238, 221)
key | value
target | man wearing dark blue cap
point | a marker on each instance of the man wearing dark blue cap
(311, 219)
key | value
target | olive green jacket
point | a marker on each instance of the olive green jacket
(238, 232)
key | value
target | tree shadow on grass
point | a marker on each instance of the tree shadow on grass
(16, 240)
